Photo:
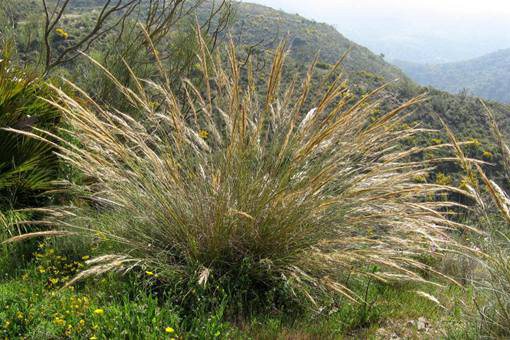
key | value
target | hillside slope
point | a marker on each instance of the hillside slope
(256, 23)
(487, 76)
(366, 70)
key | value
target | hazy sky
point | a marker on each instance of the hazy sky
(476, 7)
(423, 30)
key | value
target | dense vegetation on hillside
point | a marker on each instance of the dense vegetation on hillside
(487, 76)
(176, 183)
(258, 24)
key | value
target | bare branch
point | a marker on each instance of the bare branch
(53, 17)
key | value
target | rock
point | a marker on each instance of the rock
(422, 324)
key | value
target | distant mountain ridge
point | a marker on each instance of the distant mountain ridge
(487, 76)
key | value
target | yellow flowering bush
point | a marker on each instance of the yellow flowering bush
(203, 134)
(442, 179)
(487, 155)
(62, 33)
(34, 308)
(55, 268)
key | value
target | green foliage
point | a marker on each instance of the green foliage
(30, 309)
(35, 305)
(123, 58)
(26, 165)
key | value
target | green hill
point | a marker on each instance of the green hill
(256, 24)
(487, 76)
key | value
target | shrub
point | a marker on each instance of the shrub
(26, 165)
(228, 185)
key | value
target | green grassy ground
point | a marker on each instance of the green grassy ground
(35, 305)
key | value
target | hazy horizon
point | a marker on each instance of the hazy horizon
(427, 32)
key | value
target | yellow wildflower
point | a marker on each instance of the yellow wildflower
(101, 235)
(169, 330)
(487, 155)
(203, 134)
(93, 338)
(475, 142)
(54, 280)
(69, 330)
(59, 322)
(62, 33)
(443, 179)
(421, 178)
(20, 315)
(85, 258)
(99, 311)
(149, 273)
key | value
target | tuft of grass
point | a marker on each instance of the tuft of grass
(494, 309)
(231, 188)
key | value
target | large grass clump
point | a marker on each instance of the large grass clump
(241, 181)
(495, 219)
